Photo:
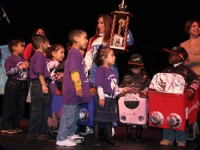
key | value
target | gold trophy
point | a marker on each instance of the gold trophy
(117, 40)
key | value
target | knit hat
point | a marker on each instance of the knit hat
(177, 50)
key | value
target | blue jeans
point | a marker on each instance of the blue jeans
(39, 110)
(171, 135)
(68, 120)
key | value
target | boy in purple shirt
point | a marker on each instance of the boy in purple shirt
(75, 89)
(40, 91)
(15, 88)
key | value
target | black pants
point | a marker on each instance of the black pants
(13, 103)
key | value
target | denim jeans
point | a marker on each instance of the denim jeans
(39, 110)
(68, 121)
(13, 103)
(171, 135)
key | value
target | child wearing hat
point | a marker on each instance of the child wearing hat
(138, 80)
(177, 55)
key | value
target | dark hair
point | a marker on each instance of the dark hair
(73, 33)
(37, 39)
(107, 19)
(53, 48)
(102, 53)
(14, 42)
(189, 23)
(38, 28)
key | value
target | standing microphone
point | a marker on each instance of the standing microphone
(5, 15)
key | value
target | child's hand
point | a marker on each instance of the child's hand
(24, 65)
(93, 91)
(190, 94)
(126, 90)
(79, 93)
(143, 94)
(101, 102)
(45, 89)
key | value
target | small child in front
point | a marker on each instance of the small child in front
(107, 89)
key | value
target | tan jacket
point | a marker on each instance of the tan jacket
(193, 54)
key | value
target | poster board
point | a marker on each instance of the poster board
(4, 53)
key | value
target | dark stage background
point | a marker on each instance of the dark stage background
(155, 24)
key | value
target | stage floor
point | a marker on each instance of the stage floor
(151, 137)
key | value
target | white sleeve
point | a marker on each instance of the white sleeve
(88, 60)
(119, 91)
(100, 92)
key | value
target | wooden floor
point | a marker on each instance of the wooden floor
(151, 137)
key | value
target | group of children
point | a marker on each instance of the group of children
(75, 89)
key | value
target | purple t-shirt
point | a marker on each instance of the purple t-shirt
(38, 64)
(75, 62)
(106, 79)
(12, 68)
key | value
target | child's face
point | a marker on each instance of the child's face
(19, 49)
(110, 59)
(174, 59)
(83, 41)
(136, 69)
(45, 46)
(59, 54)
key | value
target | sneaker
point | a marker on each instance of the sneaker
(19, 130)
(66, 143)
(9, 131)
(181, 144)
(166, 142)
(88, 131)
(76, 138)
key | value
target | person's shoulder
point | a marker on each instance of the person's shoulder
(10, 57)
(184, 43)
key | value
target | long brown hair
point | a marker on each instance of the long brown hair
(107, 19)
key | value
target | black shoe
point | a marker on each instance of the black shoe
(139, 140)
(43, 137)
(113, 143)
(97, 143)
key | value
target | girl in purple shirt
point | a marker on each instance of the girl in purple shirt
(107, 89)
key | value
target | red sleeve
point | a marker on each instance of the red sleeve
(27, 51)
(89, 44)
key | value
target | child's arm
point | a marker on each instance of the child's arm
(101, 96)
(15, 70)
(75, 76)
(43, 83)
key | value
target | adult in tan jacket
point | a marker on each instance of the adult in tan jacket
(192, 45)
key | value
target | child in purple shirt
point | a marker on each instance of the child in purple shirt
(107, 89)
(40, 90)
(75, 89)
(15, 88)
